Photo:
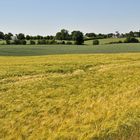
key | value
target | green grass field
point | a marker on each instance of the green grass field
(70, 97)
(29, 50)
(107, 41)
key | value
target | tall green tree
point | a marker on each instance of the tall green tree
(8, 36)
(20, 36)
(62, 35)
(28, 37)
(1, 35)
(78, 37)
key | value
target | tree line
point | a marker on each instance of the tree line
(112, 35)
(64, 37)
(76, 37)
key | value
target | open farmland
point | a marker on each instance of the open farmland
(36, 50)
(107, 41)
(70, 97)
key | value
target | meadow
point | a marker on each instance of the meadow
(107, 41)
(37, 50)
(69, 97)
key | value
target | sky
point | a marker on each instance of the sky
(46, 17)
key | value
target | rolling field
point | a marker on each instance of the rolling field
(69, 97)
(37, 50)
(107, 41)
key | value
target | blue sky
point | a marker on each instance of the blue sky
(49, 16)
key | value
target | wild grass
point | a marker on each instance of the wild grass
(70, 97)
